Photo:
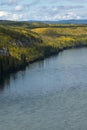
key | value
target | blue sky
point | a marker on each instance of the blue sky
(43, 9)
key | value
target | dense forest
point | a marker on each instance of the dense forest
(22, 43)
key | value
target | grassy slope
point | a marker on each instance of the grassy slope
(28, 42)
(18, 40)
(64, 36)
(22, 44)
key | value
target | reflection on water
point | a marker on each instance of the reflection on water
(48, 95)
(5, 81)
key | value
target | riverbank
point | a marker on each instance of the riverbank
(26, 46)
(51, 92)
(22, 65)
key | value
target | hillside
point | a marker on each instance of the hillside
(18, 46)
(21, 45)
(27, 24)
(72, 21)
(64, 36)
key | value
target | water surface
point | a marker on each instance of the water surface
(48, 95)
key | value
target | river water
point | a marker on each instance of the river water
(48, 95)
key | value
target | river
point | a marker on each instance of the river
(48, 95)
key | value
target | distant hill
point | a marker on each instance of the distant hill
(27, 24)
(38, 24)
(68, 22)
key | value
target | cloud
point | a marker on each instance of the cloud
(53, 10)
(73, 1)
(8, 2)
(42, 10)
(68, 7)
(78, 1)
(15, 16)
(19, 8)
(33, 3)
(12, 1)
(15, 2)
(70, 15)
(3, 13)
(57, 12)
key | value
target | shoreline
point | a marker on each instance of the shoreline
(23, 66)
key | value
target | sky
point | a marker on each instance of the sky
(53, 10)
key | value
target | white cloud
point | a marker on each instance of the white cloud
(70, 15)
(3, 13)
(15, 17)
(18, 8)
(40, 10)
